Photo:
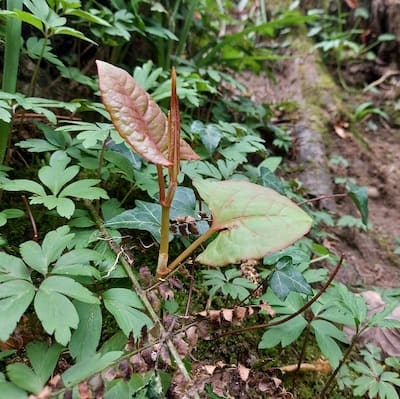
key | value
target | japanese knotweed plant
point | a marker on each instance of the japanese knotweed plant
(248, 220)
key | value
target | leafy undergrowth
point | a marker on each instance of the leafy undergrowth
(138, 263)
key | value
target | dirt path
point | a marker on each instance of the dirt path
(372, 157)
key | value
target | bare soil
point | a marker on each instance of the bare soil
(373, 160)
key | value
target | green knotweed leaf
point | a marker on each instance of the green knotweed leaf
(15, 297)
(29, 19)
(12, 268)
(252, 221)
(88, 367)
(124, 305)
(86, 16)
(86, 337)
(359, 195)
(288, 279)
(137, 118)
(23, 377)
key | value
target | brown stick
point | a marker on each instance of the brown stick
(291, 316)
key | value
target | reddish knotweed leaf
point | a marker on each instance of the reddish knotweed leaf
(137, 118)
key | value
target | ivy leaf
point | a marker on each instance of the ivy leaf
(359, 195)
(88, 367)
(86, 337)
(184, 203)
(137, 118)
(210, 135)
(288, 279)
(252, 221)
(15, 297)
(121, 148)
(124, 305)
(12, 268)
(145, 216)
(268, 179)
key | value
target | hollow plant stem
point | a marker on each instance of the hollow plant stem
(194, 245)
(135, 283)
(164, 241)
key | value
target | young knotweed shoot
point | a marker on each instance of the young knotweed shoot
(252, 220)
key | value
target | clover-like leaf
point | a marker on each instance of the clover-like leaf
(56, 312)
(12, 268)
(252, 221)
(137, 118)
(88, 367)
(124, 305)
(15, 297)
(86, 337)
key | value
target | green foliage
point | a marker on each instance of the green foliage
(366, 109)
(125, 306)
(370, 377)
(70, 280)
(229, 283)
(245, 225)
(55, 177)
(43, 360)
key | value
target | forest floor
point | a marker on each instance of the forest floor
(369, 154)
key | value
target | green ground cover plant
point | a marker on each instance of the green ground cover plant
(125, 218)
